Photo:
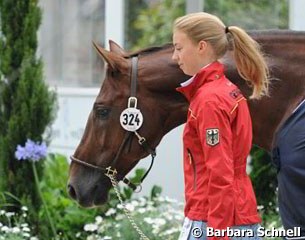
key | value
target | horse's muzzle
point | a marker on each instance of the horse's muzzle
(89, 194)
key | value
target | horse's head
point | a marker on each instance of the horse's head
(105, 142)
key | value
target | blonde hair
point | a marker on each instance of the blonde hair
(250, 62)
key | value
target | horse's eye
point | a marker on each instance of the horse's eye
(114, 73)
(102, 113)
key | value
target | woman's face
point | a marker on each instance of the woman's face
(191, 56)
(186, 53)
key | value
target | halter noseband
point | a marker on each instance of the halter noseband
(111, 170)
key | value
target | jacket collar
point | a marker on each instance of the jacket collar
(212, 71)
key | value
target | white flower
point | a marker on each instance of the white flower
(120, 217)
(16, 230)
(90, 227)
(141, 210)
(25, 229)
(9, 214)
(168, 216)
(24, 208)
(142, 201)
(170, 200)
(130, 207)
(149, 220)
(161, 199)
(160, 221)
(135, 203)
(260, 207)
(92, 237)
(107, 238)
(170, 231)
(98, 219)
(120, 206)
(5, 229)
(110, 212)
(179, 217)
(150, 208)
(26, 234)
(2, 212)
(33, 238)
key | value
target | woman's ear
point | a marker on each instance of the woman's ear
(202, 46)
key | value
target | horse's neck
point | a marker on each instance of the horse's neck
(173, 103)
(161, 80)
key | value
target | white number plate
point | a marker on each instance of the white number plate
(131, 119)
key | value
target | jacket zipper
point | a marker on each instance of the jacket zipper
(192, 162)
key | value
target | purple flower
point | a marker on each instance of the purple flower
(31, 151)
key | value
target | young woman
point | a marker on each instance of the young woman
(217, 136)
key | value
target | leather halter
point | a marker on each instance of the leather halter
(111, 170)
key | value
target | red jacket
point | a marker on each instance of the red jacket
(217, 139)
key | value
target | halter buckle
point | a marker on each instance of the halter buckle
(142, 140)
(132, 101)
(110, 171)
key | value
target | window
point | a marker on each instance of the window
(67, 31)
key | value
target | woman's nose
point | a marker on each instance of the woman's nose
(174, 57)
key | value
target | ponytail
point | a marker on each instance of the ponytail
(250, 61)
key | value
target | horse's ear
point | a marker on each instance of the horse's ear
(114, 47)
(104, 54)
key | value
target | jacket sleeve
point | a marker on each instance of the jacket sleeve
(214, 129)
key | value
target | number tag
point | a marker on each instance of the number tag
(131, 119)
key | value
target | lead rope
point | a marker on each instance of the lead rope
(114, 183)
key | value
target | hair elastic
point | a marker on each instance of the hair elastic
(227, 29)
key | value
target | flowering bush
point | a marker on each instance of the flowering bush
(15, 227)
(159, 218)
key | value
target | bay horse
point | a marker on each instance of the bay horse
(104, 142)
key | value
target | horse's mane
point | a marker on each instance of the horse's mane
(150, 50)
(278, 35)
(273, 32)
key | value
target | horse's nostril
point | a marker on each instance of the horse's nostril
(72, 192)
